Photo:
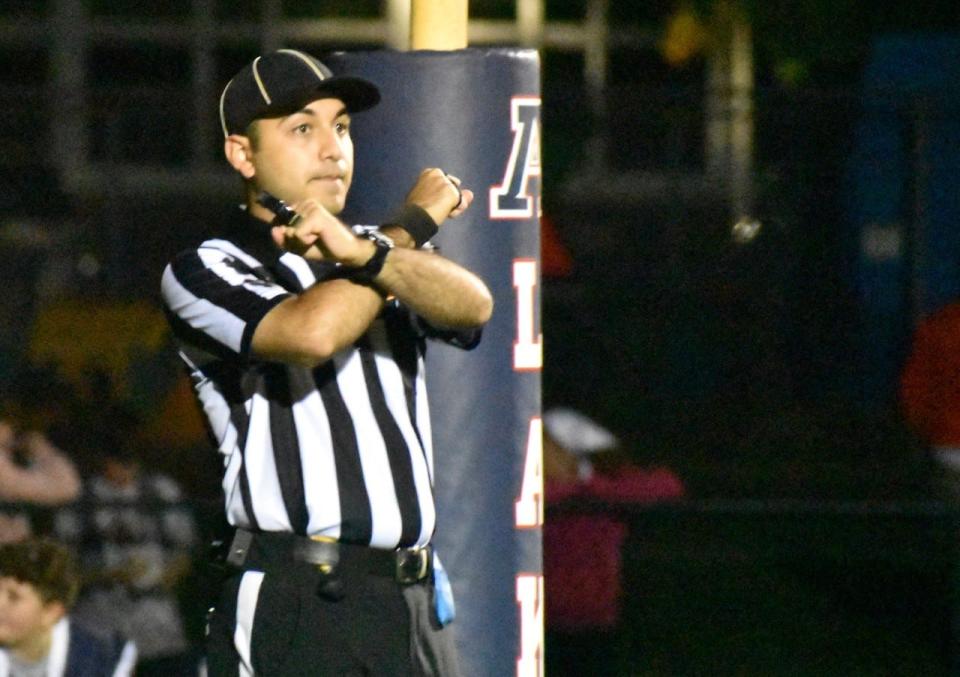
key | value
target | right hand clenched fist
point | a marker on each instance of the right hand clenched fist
(439, 194)
(320, 233)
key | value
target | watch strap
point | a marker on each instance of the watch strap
(366, 273)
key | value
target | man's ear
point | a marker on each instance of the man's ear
(238, 151)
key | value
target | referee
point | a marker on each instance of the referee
(305, 341)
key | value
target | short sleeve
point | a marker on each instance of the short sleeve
(465, 339)
(215, 301)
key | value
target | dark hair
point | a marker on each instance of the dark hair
(46, 565)
(252, 132)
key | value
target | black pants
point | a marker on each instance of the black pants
(281, 624)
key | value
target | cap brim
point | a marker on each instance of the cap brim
(356, 93)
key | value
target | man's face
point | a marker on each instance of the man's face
(23, 614)
(308, 154)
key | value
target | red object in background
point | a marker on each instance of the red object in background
(555, 259)
(930, 381)
(581, 553)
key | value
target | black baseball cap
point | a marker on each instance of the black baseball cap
(280, 83)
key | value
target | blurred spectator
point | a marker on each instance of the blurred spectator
(34, 472)
(38, 637)
(582, 549)
(135, 537)
(930, 391)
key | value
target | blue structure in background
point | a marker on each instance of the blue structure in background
(905, 196)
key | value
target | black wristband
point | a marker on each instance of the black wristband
(415, 220)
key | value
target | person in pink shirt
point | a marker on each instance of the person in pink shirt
(582, 550)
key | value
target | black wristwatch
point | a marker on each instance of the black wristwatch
(366, 273)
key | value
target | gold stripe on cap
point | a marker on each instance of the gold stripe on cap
(306, 59)
(223, 119)
(256, 76)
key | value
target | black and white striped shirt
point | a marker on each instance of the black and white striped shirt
(340, 450)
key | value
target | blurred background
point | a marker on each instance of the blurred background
(750, 208)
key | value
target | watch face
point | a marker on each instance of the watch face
(379, 237)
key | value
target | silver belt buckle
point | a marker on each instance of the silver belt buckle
(412, 565)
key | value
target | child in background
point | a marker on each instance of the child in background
(38, 585)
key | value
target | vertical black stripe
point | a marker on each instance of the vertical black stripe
(240, 420)
(398, 453)
(403, 345)
(356, 518)
(236, 387)
(286, 447)
(283, 430)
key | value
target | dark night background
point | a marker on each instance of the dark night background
(747, 368)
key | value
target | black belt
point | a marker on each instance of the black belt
(274, 549)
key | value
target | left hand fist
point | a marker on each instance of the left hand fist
(438, 194)
(466, 197)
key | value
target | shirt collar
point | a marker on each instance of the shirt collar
(253, 235)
